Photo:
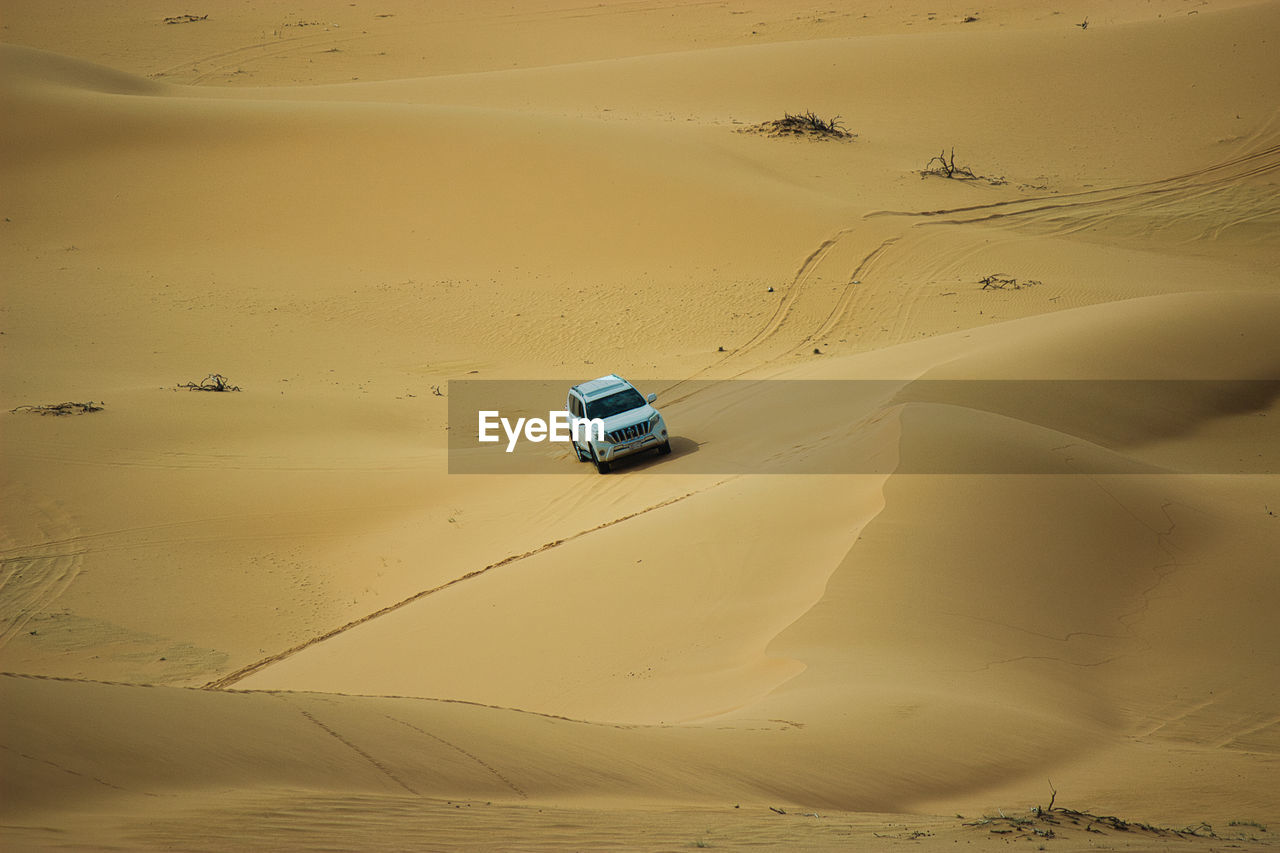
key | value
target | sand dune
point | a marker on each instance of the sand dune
(1031, 535)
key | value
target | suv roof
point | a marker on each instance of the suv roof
(602, 387)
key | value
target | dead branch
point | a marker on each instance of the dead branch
(1053, 795)
(1000, 281)
(1042, 819)
(61, 409)
(946, 167)
(807, 124)
(212, 382)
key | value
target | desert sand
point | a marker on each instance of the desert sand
(271, 618)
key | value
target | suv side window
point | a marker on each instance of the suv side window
(575, 406)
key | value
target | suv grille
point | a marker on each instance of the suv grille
(628, 432)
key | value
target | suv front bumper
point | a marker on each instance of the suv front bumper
(606, 451)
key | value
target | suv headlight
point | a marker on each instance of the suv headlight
(654, 420)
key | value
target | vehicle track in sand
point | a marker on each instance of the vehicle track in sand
(520, 792)
(238, 57)
(333, 733)
(243, 672)
(211, 529)
(809, 313)
(820, 294)
(187, 460)
(31, 580)
(841, 308)
(1217, 196)
(329, 35)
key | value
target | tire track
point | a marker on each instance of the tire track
(386, 771)
(799, 296)
(477, 759)
(776, 319)
(841, 307)
(259, 51)
(245, 671)
(245, 53)
(30, 585)
(212, 527)
(1246, 731)
(213, 462)
(1063, 214)
(1211, 178)
(69, 679)
(31, 582)
(68, 770)
(1163, 722)
(224, 70)
(794, 292)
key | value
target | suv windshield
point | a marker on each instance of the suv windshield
(623, 401)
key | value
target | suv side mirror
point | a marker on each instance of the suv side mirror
(652, 397)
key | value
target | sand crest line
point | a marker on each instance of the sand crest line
(783, 725)
(249, 691)
(256, 691)
(228, 680)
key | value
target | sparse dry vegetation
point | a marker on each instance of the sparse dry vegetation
(61, 409)
(1000, 281)
(945, 167)
(212, 382)
(808, 125)
(186, 19)
(1044, 822)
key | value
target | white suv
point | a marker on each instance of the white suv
(631, 424)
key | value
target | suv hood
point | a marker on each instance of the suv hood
(629, 417)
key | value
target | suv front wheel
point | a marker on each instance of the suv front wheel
(601, 465)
